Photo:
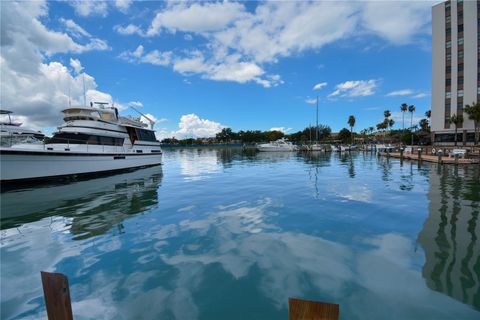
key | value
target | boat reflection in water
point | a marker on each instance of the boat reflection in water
(94, 205)
(449, 235)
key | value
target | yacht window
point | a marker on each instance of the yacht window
(80, 138)
(107, 116)
(145, 135)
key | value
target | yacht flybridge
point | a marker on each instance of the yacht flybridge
(92, 139)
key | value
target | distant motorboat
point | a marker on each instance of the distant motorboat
(384, 147)
(276, 146)
(312, 147)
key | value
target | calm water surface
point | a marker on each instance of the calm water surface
(218, 234)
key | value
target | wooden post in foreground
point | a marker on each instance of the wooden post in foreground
(57, 296)
(299, 309)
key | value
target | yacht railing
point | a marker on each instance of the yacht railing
(10, 140)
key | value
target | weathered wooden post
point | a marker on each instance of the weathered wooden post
(304, 309)
(439, 156)
(401, 154)
(456, 159)
(419, 150)
(57, 296)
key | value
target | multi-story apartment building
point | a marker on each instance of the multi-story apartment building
(455, 68)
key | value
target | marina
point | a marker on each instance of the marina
(261, 160)
(194, 237)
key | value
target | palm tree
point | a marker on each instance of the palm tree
(403, 108)
(411, 109)
(424, 125)
(351, 123)
(387, 114)
(456, 121)
(473, 111)
(428, 114)
(391, 122)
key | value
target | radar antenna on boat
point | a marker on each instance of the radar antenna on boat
(102, 104)
(152, 123)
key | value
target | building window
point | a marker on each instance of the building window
(460, 106)
(460, 80)
(449, 56)
(460, 67)
(460, 28)
(448, 82)
(460, 93)
(478, 90)
(460, 41)
(460, 54)
(448, 69)
(448, 32)
(460, 14)
(448, 95)
(448, 44)
(448, 19)
(447, 5)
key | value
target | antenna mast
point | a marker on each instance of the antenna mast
(316, 129)
(69, 95)
(84, 94)
(152, 123)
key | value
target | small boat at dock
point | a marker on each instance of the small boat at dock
(276, 146)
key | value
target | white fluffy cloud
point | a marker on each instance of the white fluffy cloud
(196, 17)
(239, 44)
(281, 129)
(407, 92)
(319, 86)
(135, 104)
(90, 8)
(397, 21)
(154, 57)
(403, 92)
(354, 88)
(76, 65)
(129, 30)
(420, 95)
(123, 5)
(74, 29)
(234, 70)
(34, 89)
(192, 126)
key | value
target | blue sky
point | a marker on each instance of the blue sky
(197, 67)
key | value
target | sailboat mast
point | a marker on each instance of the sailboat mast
(84, 94)
(316, 128)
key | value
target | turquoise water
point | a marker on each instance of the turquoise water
(220, 234)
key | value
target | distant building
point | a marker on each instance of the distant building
(455, 68)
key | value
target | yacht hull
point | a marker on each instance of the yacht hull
(18, 165)
(275, 149)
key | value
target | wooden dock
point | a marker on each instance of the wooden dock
(430, 158)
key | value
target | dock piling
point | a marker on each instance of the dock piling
(57, 296)
(304, 309)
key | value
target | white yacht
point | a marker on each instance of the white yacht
(92, 139)
(279, 145)
(12, 132)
